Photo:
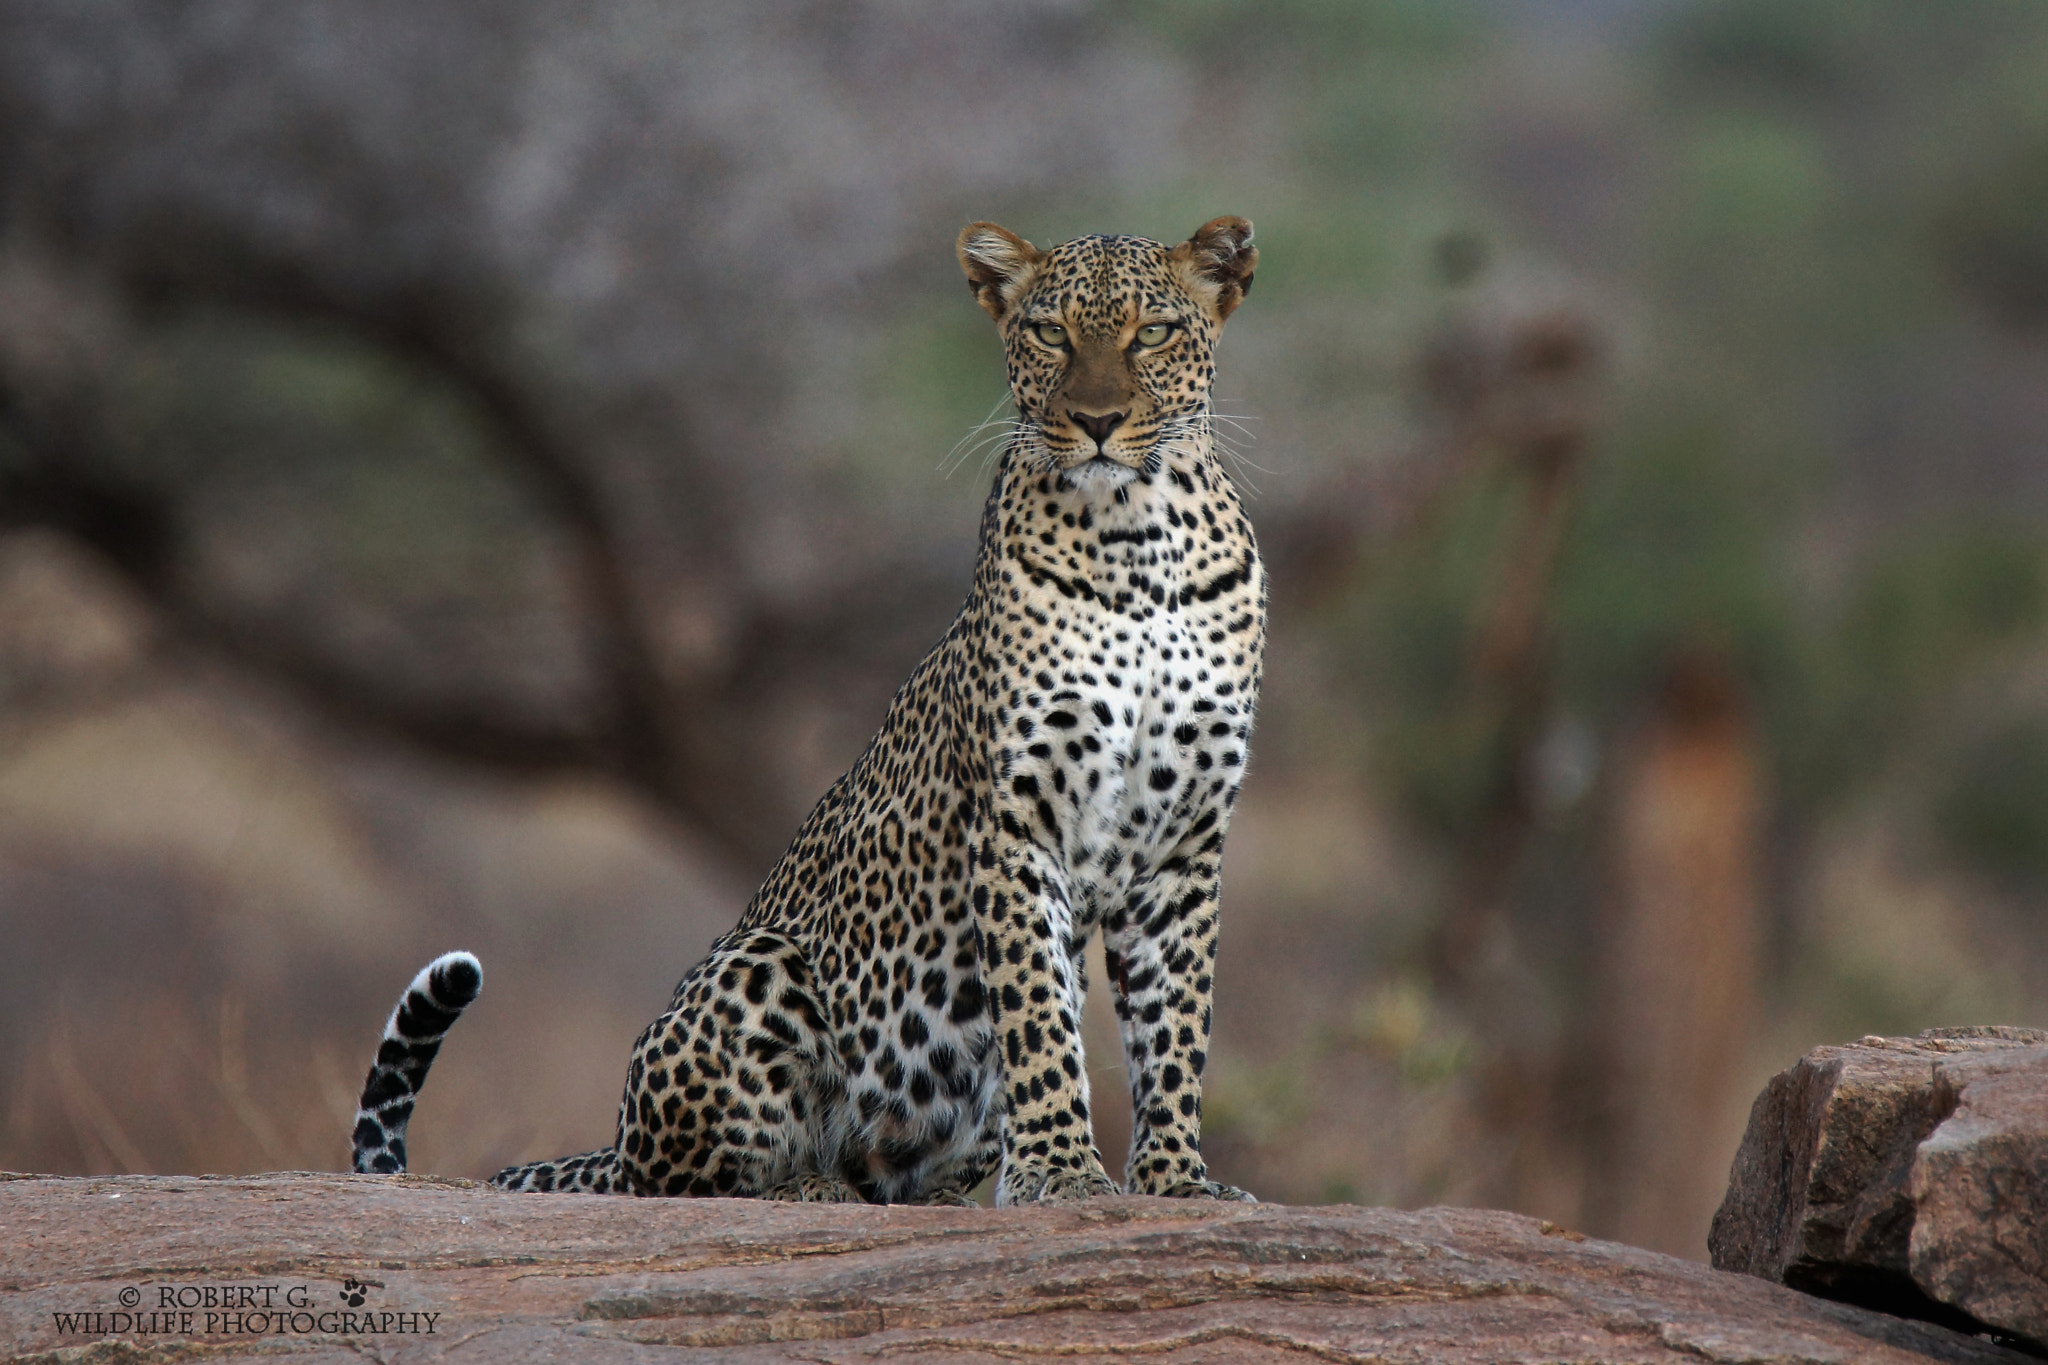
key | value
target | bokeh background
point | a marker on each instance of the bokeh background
(471, 474)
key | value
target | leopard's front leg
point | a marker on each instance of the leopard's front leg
(1161, 954)
(1034, 992)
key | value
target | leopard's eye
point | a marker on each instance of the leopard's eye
(1154, 334)
(1051, 333)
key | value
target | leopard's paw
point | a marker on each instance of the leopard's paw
(1208, 1189)
(1037, 1183)
(815, 1189)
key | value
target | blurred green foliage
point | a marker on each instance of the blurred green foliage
(1923, 620)
(353, 500)
(388, 474)
(1760, 46)
(1818, 203)
(1671, 547)
(1992, 228)
(1995, 811)
(1315, 34)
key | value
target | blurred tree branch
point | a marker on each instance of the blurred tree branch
(639, 733)
(679, 740)
(57, 483)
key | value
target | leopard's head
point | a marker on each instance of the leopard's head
(1111, 341)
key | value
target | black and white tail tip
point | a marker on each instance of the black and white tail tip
(424, 1014)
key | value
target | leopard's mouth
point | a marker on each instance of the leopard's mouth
(1103, 460)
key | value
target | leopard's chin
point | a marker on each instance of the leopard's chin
(1100, 473)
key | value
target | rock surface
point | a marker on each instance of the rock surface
(532, 1277)
(1907, 1174)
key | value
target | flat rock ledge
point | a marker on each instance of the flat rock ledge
(334, 1267)
(1905, 1174)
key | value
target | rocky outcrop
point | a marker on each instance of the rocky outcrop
(403, 1268)
(1905, 1174)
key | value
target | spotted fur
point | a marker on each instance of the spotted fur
(897, 1014)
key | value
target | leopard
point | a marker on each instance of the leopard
(896, 1016)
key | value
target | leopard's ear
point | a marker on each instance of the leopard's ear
(998, 264)
(1218, 261)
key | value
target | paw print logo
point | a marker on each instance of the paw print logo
(353, 1292)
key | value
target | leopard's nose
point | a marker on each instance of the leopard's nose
(1099, 427)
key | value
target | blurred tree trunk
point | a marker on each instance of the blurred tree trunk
(1677, 958)
(1528, 389)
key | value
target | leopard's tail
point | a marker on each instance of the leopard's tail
(424, 1014)
(597, 1172)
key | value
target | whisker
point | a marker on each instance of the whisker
(987, 447)
(1190, 432)
(1238, 456)
(971, 443)
(1020, 433)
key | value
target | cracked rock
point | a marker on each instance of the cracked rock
(1908, 1175)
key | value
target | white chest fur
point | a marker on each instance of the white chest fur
(1135, 634)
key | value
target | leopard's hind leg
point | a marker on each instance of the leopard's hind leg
(734, 1090)
(737, 1089)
